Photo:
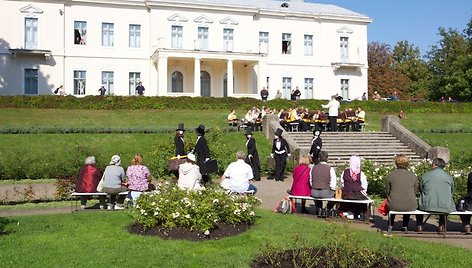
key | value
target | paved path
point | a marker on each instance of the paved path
(271, 192)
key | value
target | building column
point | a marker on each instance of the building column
(261, 76)
(162, 74)
(229, 78)
(197, 89)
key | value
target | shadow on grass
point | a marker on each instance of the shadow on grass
(4, 222)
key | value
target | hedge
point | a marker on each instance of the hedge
(205, 103)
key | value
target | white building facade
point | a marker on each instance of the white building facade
(182, 48)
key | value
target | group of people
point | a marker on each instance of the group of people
(435, 189)
(113, 181)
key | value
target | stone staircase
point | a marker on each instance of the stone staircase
(379, 147)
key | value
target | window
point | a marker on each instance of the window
(345, 88)
(177, 36)
(308, 88)
(79, 82)
(344, 45)
(31, 81)
(31, 33)
(308, 43)
(107, 34)
(80, 32)
(263, 42)
(107, 82)
(286, 43)
(134, 79)
(177, 82)
(134, 35)
(203, 37)
(228, 35)
(286, 87)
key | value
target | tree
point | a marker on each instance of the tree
(451, 65)
(407, 60)
(382, 77)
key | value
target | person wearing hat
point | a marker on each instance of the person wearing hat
(252, 157)
(316, 145)
(113, 180)
(280, 151)
(179, 140)
(201, 149)
(189, 175)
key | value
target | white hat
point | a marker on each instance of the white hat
(191, 156)
(115, 160)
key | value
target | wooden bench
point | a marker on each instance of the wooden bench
(75, 197)
(369, 203)
(427, 214)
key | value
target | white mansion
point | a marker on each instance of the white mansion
(182, 48)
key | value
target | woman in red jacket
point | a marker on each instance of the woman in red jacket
(89, 177)
(301, 180)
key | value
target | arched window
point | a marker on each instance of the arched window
(177, 82)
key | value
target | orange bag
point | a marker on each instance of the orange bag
(383, 208)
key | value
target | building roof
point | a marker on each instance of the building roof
(297, 6)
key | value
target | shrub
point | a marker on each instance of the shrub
(203, 210)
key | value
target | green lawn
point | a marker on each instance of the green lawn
(100, 239)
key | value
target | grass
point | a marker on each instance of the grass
(100, 239)
(41, 205)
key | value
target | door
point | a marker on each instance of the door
(205, 84)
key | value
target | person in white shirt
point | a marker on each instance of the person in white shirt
(333, 107)
(238, 175)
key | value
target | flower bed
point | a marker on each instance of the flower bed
(202, 211)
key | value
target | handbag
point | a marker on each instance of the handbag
(100, 184)
(270, 163)
(383, 208)
(210, 166)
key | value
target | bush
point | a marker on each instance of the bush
(203, 210)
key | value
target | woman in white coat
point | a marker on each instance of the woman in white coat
(189, 175)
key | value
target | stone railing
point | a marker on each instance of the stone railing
(270, 123)
(392, 125)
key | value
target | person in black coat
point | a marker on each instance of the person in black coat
(252, 157)
(201, 149)
(316, 145)
(179, 140)
(280, 151)
(466, 218)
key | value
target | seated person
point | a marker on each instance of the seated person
(139, 177)
(238, 175)
(301, 180)
(376, 96)
(322, 181)
(113, 181)
(233, 119)
(360, 119)
(189, 175)
(87, 182)
(350, 119)
(354, 185)
(248, 119)
(321, 120)
(283, 118)
(436, 188)
(401, 188)
(401, 115)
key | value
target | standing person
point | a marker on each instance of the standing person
(264, 94)
(436, 188)
(278, 95)
(296, 94)
(139, 177)
(140, 89)
(280, 151)
(87, 182)
(113, 180)
(364, 96)
(301, 180)
(333, 107)
(238, 175)
(252, 157)
(179, 140)
(102, 90)
(201, 149)
(323, 182)
(401, 188)
(316, 145)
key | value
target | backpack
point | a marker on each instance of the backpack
(285, 206)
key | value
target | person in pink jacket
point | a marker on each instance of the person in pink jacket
(301, 180)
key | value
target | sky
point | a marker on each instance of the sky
(416, 21)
